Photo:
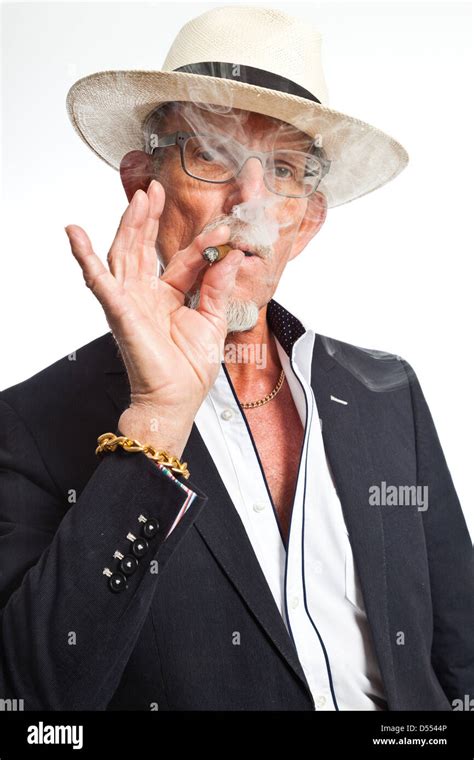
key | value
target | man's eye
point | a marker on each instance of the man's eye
(284, 172)
(206, 155)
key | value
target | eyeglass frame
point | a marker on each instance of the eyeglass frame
(180, 138)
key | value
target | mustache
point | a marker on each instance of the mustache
(247, 237)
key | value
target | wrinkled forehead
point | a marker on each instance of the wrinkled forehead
(245, 126)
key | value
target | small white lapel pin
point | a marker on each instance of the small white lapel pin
(339, 400)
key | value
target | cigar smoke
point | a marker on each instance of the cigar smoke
(254, 225)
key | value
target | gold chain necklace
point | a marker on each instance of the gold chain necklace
(267, 398)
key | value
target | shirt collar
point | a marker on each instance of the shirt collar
(291, 346)
(286, 327)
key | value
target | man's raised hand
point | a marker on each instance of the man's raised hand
(171, 352)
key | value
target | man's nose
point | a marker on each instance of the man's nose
(249, 183)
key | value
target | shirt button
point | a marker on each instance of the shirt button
(258, 507)
(320, 701)
(295, 602)
(227, 414)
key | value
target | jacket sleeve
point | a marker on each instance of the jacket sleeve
(66, 629)
(450, 556)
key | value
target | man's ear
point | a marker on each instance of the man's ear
(136, 172)
(311, 223)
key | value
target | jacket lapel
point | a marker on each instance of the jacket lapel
(223, 531)
(347, 447)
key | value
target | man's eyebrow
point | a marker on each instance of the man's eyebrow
(291, 141)
(285, 136)
(222, 124)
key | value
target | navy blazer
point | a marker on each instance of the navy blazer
(166, 642)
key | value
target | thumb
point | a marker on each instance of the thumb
(217, 285)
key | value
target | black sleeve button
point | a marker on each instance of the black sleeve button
(140, 547)
(117, 583)
(151, 528)
(128, 565)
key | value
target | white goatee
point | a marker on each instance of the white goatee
(241, 315)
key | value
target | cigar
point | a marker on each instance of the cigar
(216, 252)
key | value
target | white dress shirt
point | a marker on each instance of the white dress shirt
(314, 582)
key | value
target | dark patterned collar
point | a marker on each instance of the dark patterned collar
(286, 328)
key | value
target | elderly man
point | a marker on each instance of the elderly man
(271, 527)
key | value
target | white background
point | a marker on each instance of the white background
(390, 271)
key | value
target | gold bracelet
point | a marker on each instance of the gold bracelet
(110, 441)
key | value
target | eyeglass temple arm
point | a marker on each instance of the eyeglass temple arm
(164, 142)
(317, 150)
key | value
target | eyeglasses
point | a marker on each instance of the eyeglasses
(219, 159)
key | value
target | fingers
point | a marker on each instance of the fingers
(133, 249)
(132, 253)
(97, 277)
(147, 259)
(126, 235)
(183, 269)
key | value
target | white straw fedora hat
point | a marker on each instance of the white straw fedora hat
(250, 58)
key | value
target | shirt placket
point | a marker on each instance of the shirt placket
(256, 501)
(308, 642)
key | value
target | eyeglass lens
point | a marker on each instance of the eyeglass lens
(287, 172)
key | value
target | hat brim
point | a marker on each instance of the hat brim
(108, 110)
